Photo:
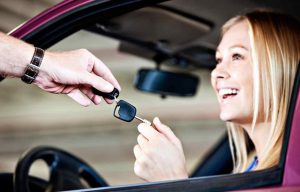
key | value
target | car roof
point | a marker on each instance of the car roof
(195, 27)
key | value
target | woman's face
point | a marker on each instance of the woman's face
(232, 77)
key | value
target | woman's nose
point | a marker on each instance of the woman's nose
(220, 72)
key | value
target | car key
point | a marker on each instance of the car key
(127, 112)
(112, 95)
(123, 110)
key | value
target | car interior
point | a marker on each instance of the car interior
(172, 45)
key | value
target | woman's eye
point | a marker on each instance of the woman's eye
(218, 60)
(237, 57)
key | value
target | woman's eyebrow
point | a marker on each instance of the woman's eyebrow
(232, 47)
(238, 46)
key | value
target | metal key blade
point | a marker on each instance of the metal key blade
(143, 120)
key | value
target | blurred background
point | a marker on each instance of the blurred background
(29, 117)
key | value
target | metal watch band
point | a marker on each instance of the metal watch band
(32, 69)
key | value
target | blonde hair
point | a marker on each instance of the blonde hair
(275, 53)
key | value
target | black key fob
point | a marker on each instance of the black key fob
(125, 111)
(112, 95)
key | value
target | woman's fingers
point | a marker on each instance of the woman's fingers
(142, 141)
(147, 131)
(163, 128)
(160, 131)
(157, 158)
(167, 132)
(138, 153)
(141, 163)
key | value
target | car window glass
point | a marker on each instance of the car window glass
(30, 117)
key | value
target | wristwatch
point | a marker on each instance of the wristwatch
(32, 69)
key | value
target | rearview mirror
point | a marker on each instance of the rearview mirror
(166, 83)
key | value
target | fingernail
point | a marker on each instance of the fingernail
(139, 126)
(97, 99)
(156, 120)
(86, 103)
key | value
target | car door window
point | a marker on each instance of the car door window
(37, 118)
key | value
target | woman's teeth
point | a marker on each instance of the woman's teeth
(224, 93)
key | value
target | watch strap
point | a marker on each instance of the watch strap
(32, 69)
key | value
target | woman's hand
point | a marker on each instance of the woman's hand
(159, 154)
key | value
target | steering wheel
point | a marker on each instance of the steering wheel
(67, 172)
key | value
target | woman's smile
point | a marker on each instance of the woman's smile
(226, 93)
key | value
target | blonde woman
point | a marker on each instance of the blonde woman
(257, 60)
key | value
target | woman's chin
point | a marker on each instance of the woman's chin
(226, 117)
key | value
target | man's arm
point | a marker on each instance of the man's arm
(72, 72)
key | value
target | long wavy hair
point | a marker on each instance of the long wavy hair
(275, 53)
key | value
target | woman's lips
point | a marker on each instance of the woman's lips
(225, 93)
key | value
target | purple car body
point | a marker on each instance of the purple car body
(46, 16)
(291, 174)
(292, 165)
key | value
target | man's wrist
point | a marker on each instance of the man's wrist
(15, 55)
(32, 68)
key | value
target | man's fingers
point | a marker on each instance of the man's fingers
(80, 98)
(88, 92)
(100, 69)
(99, 84)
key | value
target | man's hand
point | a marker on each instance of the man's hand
(71, 72)
(74, 73)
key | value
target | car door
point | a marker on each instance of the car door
(69, 17)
